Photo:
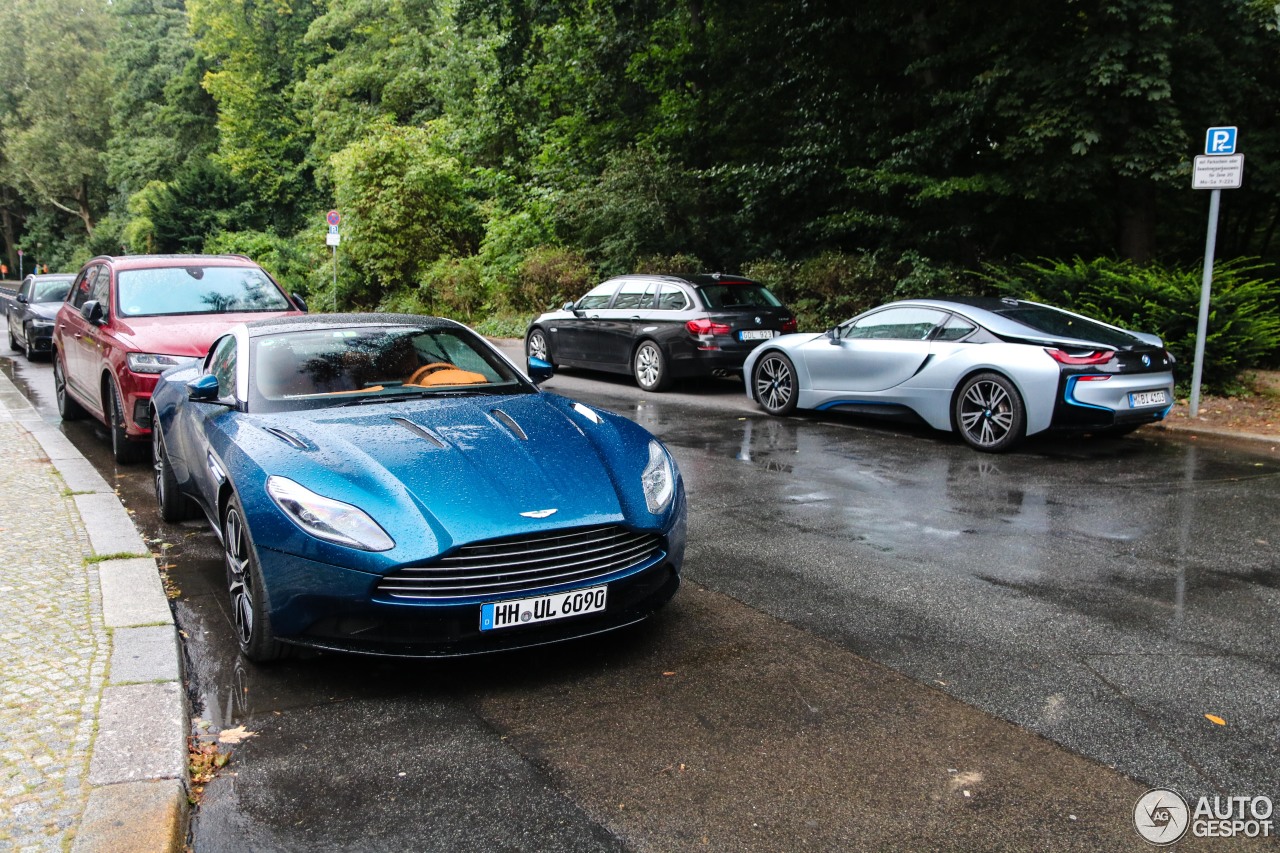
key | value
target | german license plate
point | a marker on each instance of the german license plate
(544, 608)
(1138, 399)
(755, 335)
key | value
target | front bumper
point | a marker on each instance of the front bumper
(338, 612)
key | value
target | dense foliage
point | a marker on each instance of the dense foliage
(491, 157)
(1244, 324)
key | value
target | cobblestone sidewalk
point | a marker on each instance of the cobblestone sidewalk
(53, 650)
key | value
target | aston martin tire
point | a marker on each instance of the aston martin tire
(989, 413)
(773, 381)
(124, 450)
(649, 366)
(174, 506)
(68, 408)
(249, 611)
(536, 346)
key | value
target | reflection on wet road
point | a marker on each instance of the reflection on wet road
(1106, 593)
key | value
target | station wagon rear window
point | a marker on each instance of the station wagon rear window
(745, 295)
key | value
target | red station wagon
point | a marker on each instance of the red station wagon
(128, 319)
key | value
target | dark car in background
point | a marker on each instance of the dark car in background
(129, 319)
(30, 313)
(661, 327)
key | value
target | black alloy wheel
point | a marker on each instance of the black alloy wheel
(174, 506)
(989, 413)
(248, 596)
(774, 383)
(650, 367)
(124, 450)
(68, 408)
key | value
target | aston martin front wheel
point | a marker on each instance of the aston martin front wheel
(989, 413)
(246, 589)
(774, 384)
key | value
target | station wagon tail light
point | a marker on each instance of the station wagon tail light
(326, 518)
(150, 362)
(706, 327)
(789, 326)
(1094, 357)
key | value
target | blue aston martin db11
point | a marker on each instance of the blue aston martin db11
(392, 485)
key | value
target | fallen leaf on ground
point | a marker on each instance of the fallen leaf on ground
(1214, 718)
(236, 735)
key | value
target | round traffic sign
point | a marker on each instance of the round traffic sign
(333, 217)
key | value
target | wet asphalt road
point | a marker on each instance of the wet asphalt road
(847, 583)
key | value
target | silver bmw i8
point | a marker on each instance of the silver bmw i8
(995, 370)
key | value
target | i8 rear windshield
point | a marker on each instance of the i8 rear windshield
(744, 295)
(1060, 324)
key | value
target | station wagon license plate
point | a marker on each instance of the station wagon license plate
(544, 608)
(1148, 398)
(756, 334)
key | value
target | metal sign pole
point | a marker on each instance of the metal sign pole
(335, 279)
(1206, 283)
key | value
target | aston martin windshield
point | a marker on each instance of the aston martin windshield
(332, 367)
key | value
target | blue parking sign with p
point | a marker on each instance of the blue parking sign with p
(1220, 140)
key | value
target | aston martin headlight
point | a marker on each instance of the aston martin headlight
(151, 362)
(659, 479)
(325, 518)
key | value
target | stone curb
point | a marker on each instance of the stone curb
(138, 766)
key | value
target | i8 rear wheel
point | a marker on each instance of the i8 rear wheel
(774, 383)
(989, 413)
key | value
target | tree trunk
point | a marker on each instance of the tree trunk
(1138, 223)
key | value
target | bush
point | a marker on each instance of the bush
(677, 264)
(454, 288)
(1244, 316)
(834, 286)
(292, 261)
(549, 277)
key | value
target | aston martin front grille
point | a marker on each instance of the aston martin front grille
(524, 564)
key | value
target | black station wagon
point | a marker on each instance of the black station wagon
(661, 327)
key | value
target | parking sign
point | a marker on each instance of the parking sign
(1220, 141)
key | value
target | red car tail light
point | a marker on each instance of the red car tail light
(1096, 357)
(789, 325)
(706, 327)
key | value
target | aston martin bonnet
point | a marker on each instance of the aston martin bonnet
(392, 485)
(993, 370)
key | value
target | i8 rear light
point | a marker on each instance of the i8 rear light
(706, 327)
(1095, 357)
(789, 325)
